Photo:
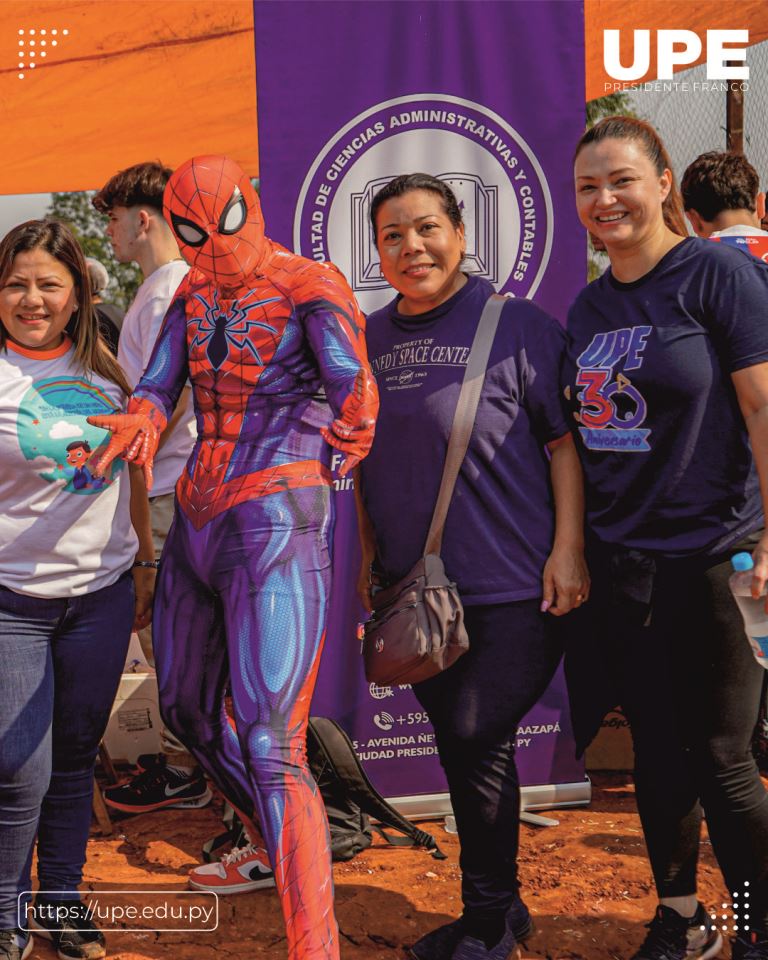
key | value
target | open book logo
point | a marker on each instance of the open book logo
(497, 179)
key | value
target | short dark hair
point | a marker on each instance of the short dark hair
(141, 185)
(79, 443)
(715, 182)
(417, 181)
(630, 128)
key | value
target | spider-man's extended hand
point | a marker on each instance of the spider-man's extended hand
(135, 436)
(352, 432)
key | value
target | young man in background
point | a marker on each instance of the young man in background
(133, 202)
(723, 201)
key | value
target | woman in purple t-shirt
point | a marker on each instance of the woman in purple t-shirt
(668, 375)
(513, 538)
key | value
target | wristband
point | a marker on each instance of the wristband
(153, 564)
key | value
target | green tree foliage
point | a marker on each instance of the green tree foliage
(89, 227)
(609, 106)
(597, 263)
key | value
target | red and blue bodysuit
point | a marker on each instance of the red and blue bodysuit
(273, 345)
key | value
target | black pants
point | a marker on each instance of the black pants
(475, 708)
(678, 662)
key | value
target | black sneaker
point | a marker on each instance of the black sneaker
(157, 788)
(519, 921)
(15, 945)
(518, 926)
(67, 924)
(673, 937)
(440, 944)
(750, 946)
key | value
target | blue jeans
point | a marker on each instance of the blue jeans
(61, 662)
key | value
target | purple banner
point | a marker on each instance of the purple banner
(391, 733)
(490, 98)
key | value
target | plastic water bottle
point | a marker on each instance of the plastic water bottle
(753, 611)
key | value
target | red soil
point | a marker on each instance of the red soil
(586, 881)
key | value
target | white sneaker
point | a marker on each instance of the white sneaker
(240, 870)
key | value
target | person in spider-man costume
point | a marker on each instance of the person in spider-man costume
(274, 347)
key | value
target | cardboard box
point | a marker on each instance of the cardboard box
(612, 747)
(135, 661)
(134, 724)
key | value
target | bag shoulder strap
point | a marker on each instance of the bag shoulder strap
(464, 417)
(338, 749)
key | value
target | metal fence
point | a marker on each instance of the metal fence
(692, 117)
(690, 114)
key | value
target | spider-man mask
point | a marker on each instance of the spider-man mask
(215, 215)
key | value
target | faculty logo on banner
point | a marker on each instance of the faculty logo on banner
(497, 179)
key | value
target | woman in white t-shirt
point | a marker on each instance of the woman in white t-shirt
(68, 599)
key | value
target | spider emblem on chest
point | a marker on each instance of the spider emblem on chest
(220, 329)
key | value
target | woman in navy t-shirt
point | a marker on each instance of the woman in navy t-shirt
(668, 377)
(513, 538)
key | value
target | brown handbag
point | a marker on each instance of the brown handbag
(417, 628)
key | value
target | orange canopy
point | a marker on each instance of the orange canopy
(133, 80)
(697, 16)
(122, 81)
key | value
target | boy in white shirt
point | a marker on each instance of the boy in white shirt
(133, 202)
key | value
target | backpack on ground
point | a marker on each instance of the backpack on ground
(351, 799)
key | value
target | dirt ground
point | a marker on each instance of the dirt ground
(586, 882)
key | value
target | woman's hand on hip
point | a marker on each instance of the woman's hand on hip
(565, 581)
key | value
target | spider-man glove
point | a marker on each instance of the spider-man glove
(352, 432)
(135, 436)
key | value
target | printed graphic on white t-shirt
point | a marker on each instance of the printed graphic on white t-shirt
(63, 531)
(56, 437)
